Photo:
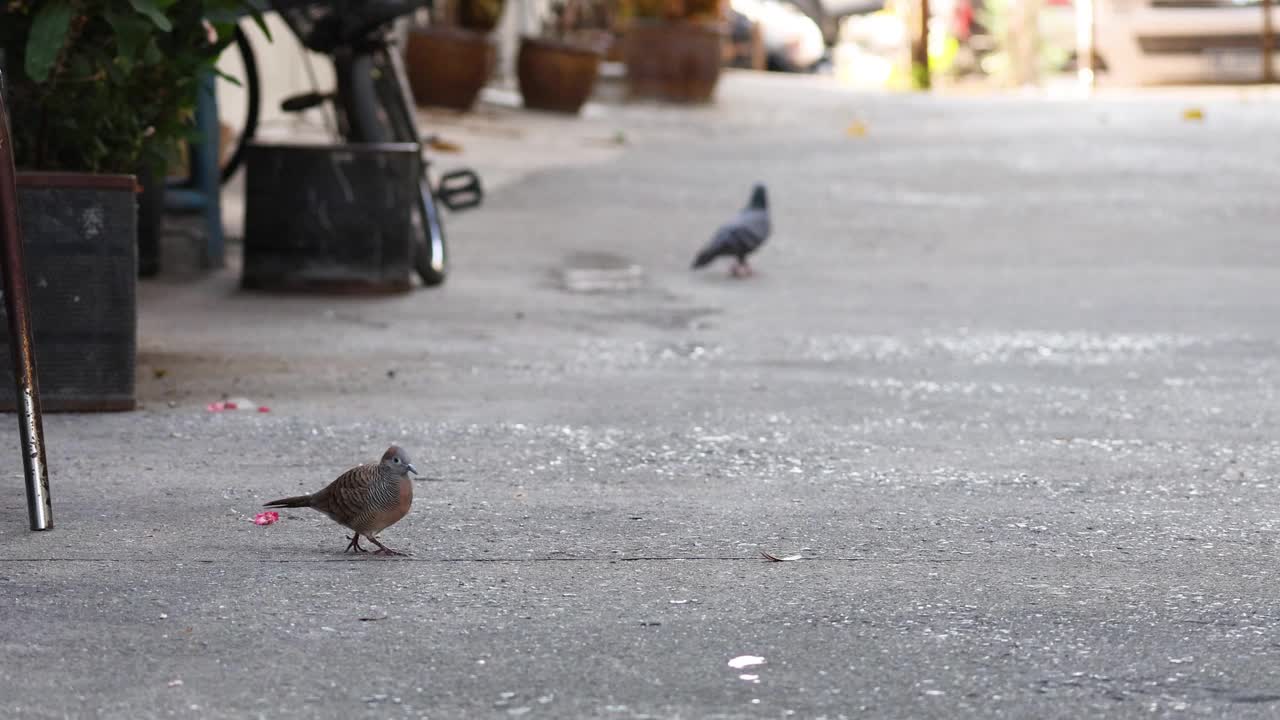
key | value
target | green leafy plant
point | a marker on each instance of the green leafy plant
(107, 85)
(583, 22)
(1001, 18)
(477, 15)
(481, 15)
(692, 10)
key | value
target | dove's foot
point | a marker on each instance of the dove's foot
(741, 270)
(354, 545)
(384, 550)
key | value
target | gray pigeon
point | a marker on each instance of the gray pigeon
(741, 236)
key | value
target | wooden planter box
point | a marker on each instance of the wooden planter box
(80, 235)
(448, 66)
(556, 76)
(673, 61)
(330, 218)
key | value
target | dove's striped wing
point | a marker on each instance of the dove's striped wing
(739, 238)
(348, 498)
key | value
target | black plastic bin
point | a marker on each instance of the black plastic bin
(330, 218)
(80, 235)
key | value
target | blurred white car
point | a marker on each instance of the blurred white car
(792, 41)
(1172, 41)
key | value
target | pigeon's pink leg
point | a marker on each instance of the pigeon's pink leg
(354, 545)
(741, 269)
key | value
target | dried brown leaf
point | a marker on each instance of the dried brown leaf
(774, 558)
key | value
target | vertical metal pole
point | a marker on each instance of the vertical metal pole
(920, 49)
(1268, 43)
(21, 347)
(205, 171)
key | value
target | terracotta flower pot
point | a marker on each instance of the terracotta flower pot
(448, 66)
(556, 76)
(674, 61)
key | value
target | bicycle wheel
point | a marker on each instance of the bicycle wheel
(375, 99)
(247, 74)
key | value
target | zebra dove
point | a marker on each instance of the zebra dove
(368, 498)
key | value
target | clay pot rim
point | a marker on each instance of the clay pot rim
(451, 31)
(557, 45)
(72, 180)
(714, 26)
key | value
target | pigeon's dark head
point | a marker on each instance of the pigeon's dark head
(759, 200)
(396, 460)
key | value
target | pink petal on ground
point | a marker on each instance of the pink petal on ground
(263, 408)
(266, 518)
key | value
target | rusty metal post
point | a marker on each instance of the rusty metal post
(1268, 43)
(920, 74)
(21, 347)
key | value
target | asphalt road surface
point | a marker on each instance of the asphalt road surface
(1005, 381)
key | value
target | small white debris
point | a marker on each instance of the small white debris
(176, 682)
(745, 661)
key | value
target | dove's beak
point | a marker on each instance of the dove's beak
(412, 469)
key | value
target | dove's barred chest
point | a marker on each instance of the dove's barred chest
(388, 500)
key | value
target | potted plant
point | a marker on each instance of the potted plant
(99, 92)
(450, 61)
(558, 70)
(673, 48)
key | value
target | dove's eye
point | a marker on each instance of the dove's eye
(395, 460)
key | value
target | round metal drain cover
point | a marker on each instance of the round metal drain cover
(601, 273)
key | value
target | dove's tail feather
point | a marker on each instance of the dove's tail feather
(705, 257)
(291, 502)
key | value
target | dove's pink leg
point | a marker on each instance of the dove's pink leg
(354, 545)
(383, 549)
(741, 269)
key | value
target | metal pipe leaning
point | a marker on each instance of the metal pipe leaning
(21, 346)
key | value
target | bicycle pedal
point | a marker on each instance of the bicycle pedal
(460, 190)
(305, 101)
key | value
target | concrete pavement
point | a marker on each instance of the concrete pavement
(1006, 380)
